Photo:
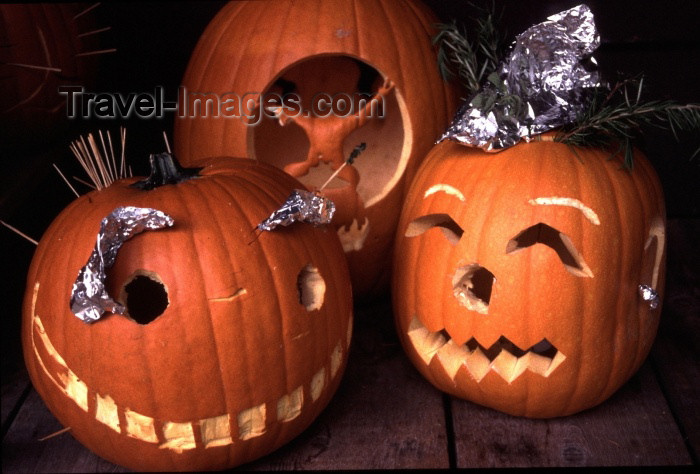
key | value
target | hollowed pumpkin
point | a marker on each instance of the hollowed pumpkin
(517, 274)
(373, 61)
(233, 340)
(43, 46)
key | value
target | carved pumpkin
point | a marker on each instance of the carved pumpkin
(322, 60)
(44, 46)
(516, 279)
(238, 339)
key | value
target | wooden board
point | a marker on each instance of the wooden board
(608, 435)
(384, 416)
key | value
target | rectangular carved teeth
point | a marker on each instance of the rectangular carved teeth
(503, 357)
(216, 431)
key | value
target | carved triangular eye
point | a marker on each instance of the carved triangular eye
(560, 243)
(447, 225)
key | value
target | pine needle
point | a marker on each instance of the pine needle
(614, 116)
(471, 61)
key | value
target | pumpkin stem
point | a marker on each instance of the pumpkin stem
(165, 169)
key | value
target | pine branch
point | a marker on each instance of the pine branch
(618, 118)
(471, 61)
(615, 116)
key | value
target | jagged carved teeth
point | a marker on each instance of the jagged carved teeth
(503, 357)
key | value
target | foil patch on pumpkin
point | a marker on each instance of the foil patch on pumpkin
(89, 297)
(649, 295)
(544, 83)
(301, 206)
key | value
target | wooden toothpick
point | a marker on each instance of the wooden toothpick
(61, 431)
(18, 232)
(355, 153)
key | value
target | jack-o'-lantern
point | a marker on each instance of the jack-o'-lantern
(232, 340)
(299, 84)
(44, 46)
(529, 280)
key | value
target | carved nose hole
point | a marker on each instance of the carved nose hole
(472, 286)
(145, 297)
(557, 241)
(312, 288)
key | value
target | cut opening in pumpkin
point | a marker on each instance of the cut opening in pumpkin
(502, 357)
(653, 253)
(557, 241)
(447, 225)
(312, 288)
(472, 285)
(312, 142)
(145, 297)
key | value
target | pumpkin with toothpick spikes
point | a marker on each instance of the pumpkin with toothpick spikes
(42, 47)
(231, 340)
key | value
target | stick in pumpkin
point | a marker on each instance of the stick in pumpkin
(19, 232)
(354, 154)
(307, 206)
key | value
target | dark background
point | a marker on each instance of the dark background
(154, 41)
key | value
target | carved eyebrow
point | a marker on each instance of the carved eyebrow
(446, 188)
(570, 202)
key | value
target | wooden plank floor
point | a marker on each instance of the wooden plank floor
(385, 416)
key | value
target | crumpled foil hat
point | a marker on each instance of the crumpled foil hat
(89, 297)
(301, 206)
(544, 83)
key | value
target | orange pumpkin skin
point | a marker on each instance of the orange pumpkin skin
(41, 51)
(598, 324)
(233, 368)
(245, 51)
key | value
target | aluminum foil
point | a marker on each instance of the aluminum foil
(301, 206)
(650, 295)
(544, 83)
(89, 298)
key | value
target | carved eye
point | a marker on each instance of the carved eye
(447, 225)
(560, 243)
(145, 296)
(312, 288)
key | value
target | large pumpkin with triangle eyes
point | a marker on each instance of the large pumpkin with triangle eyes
(233, 340)
(300, 83)
(517, 274)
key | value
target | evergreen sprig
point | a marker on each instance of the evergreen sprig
(615, 115)
(471, 61)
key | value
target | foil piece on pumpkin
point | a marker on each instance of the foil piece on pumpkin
(89, 297)
(650, 295)
(301, 206)
(544, 83)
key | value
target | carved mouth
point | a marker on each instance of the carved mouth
(219, 430)
(503, 357)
